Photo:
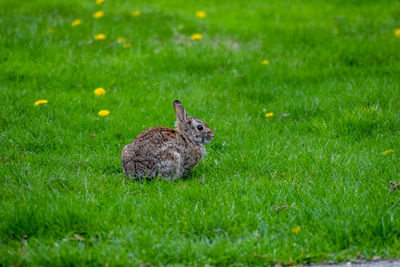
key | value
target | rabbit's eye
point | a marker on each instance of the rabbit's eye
(199, 127)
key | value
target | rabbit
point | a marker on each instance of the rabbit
(167, 153)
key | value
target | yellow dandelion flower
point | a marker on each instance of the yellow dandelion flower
(100, 36)
(387, 151)
(121, 39)
(76, 22)
(265, 62)
(98, 14)
(99, 2)
(40, 101)
(197, 36)
(269, 114)
(201, 14)
(127, 45)
(136, 13)
(103, 113)
(295, 230)
(99, 91)
(397, 32)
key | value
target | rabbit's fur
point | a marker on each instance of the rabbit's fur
(167, 153)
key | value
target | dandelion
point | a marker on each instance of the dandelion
(265, 62)
(295, 230)
(76, 22)
(99, 91)
(269, 114)
(50, 31)
(100, 36)
(136, 13)
(121, 40)
(197, 36)
(201, 14)
(40, 101)
(103, 113)
(127, 45)
(387, 151)
(397, 32)
(98, 14)
(99, 2)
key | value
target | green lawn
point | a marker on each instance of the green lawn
(309, 184)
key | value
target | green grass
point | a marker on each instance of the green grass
(334, 67)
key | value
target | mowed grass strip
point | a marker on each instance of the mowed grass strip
(308, 183)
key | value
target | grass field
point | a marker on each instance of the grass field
(309, 184)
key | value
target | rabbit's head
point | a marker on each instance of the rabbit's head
(196, 130)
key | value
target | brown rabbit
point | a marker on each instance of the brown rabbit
(167, 153)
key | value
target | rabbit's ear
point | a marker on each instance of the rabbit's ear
(180, 111)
